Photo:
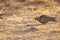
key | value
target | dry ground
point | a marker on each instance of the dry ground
(18, 18)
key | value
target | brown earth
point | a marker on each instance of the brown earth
(17, 20)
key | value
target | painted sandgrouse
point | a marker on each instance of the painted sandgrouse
(44, 19)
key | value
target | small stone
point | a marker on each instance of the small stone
(33, 28)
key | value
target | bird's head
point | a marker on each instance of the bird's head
(36, 18)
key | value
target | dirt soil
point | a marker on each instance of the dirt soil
(17, 20)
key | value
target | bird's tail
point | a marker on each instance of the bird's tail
(53, 19)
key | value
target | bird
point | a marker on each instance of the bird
(45, 19)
